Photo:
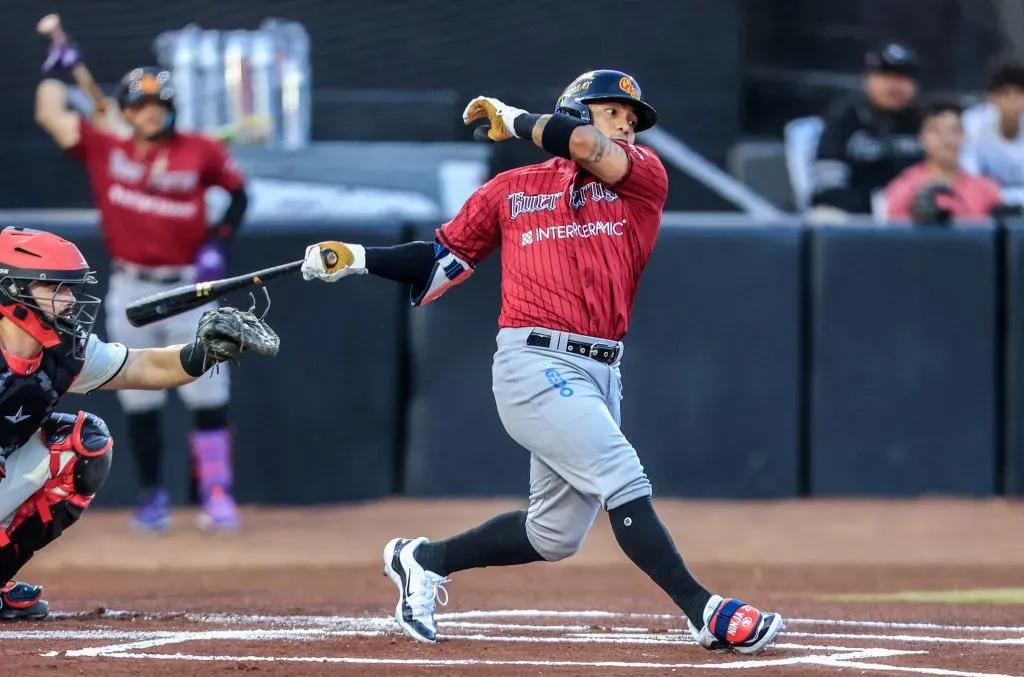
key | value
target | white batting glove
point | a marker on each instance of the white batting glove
(500, 117)
(330, 261)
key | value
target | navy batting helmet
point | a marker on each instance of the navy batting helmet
(605, 85)
(148, 84)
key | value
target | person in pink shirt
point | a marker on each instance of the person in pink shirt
(966, 195)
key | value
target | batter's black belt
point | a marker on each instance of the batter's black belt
(601, 352)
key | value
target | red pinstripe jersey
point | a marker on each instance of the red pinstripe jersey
(572, 247)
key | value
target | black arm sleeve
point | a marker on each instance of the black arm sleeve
(231, 221)
(408, 263)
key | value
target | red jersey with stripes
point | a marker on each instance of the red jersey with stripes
(572, 247)
(153, 205)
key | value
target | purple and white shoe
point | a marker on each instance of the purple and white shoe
(154, 513)
(219, 512)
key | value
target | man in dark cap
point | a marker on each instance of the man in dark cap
(871, 136)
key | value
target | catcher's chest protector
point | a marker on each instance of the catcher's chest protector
(28, 400)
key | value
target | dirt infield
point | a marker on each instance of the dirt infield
(301, 592)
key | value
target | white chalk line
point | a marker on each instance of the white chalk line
(939, 672)
(917, 639)
(834, 656)
(735, 665)
(238, 619)
(313, 634)
(370, 627)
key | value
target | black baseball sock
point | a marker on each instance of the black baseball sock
(147, 443)
(501, 541)
(644, 539)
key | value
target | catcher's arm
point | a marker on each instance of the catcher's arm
(54, 116)
(152, 369)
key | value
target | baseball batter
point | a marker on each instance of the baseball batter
(575, 234)
(52, 464)
(149, 189)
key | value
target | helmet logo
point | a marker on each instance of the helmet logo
(148, 85)
(626, 85)
(575, 88)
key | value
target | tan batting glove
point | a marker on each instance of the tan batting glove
(330, 261)
(500, 117)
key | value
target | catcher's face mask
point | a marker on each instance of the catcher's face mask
(63, 306)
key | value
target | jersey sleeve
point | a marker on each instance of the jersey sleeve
(91, 140)
(475, 231)
(646, 181)
(221, 169)
(103, 361)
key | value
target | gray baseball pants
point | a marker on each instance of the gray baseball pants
(564, 409)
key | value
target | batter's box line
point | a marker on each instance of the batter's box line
(254, 619)
(888, 625)
(743, 664)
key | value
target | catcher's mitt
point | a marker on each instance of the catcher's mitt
(227, 332)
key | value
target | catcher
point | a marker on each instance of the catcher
(52, 464)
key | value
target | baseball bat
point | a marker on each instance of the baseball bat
(149, 309)
(50, 26)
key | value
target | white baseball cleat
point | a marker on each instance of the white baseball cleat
(730, 624)
(417, 589)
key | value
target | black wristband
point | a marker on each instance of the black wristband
(557, 133)
(523, 125)
(193, 359)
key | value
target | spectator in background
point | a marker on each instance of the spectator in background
(940, 178)
(994, 145)
(870, 137)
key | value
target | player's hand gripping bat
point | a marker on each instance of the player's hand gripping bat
(150, 309)
(50, 26)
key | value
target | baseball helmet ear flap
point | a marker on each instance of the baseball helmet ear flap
(605, 85)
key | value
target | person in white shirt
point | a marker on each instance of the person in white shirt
(994, 143)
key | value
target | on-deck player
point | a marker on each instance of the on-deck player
(52, 464)
(575, 234)
(149, 190)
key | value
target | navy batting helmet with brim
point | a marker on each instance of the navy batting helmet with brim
(149, 83)
(145, 84)
(605, 85)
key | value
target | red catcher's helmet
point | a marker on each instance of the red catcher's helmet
(34, 256)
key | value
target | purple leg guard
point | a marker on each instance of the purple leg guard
(211, 458)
